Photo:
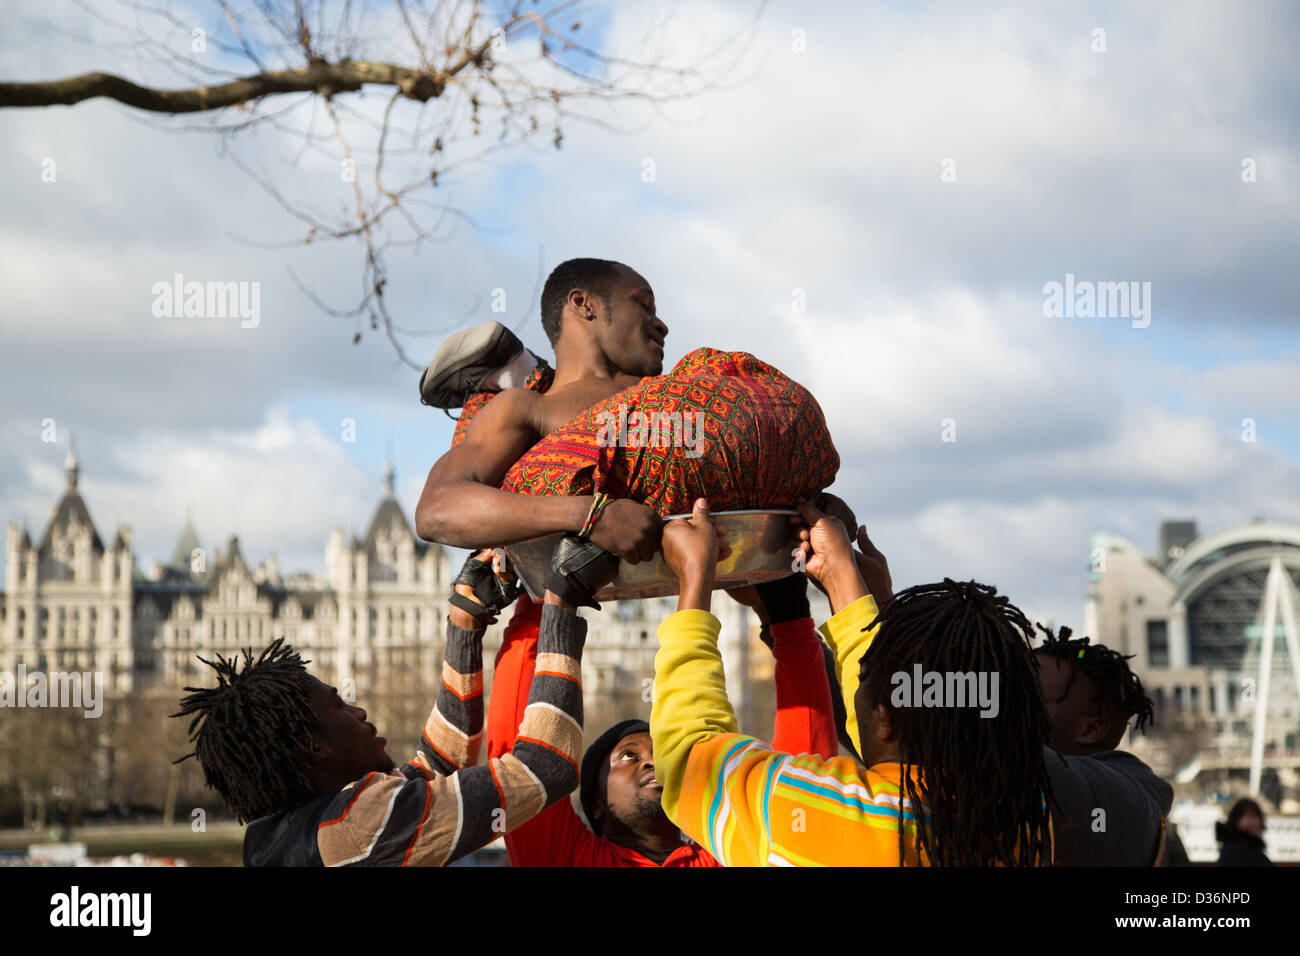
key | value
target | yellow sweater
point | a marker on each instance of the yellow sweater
(747, 804)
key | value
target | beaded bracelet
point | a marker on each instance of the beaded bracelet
(597, 509)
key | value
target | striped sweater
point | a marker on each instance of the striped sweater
(438, 806)
(747, 804)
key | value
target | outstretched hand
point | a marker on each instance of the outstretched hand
(694, 544)
(691, 549)
(824, 542)
(486, 598)
(829, 558)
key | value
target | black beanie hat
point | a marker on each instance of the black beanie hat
(597, 754)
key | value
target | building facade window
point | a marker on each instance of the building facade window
(1158, 643)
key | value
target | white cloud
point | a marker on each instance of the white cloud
(280, 487)
(821, 172)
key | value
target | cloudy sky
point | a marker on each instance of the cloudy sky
(913, 175)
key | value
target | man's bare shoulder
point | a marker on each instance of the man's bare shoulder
(523, 410)
(515, 410)
(514, 402)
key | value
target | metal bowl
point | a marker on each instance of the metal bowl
(762, 544)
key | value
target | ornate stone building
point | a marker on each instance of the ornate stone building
(68, 601)
(372, 623)
(72, 604)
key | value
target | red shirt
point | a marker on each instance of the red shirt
(805, 723)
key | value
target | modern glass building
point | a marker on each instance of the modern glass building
(1195, 617)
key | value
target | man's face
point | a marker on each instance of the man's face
(349, 746)
(632, 794)
(632, 335)
(1076, 721)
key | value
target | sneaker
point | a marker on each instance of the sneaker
(464, 361)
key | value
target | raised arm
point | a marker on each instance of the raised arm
(715, 780)
(691, 714)
(454, 731)
(805, 712)
(843, 574)
(461, 504)
(744, 802)
(394, 820)
(556, 836)
(805, 717)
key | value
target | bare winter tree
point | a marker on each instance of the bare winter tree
(48, 764)
(458, 80)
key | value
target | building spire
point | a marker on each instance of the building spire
(186, 544)
(388, 473)
(70, 467)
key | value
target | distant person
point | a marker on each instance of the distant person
(1242, 836)
(1111, 809)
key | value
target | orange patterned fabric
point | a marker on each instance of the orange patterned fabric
(722, 425)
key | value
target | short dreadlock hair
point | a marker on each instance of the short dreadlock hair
(594, 275)
(1117, 684)
(981, 779)
(252, 732)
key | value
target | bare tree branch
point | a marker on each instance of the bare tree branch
(325, 79)
(449, 69)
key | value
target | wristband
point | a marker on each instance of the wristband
(489, 590)
(472, 608)
(593, 515)
(578, 570)
(785, 599)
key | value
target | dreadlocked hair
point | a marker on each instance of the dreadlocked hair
(252, 732)
(983, 786)
(1109, 669)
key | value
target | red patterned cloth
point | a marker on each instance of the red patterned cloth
(744, 435)
(539, 380)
